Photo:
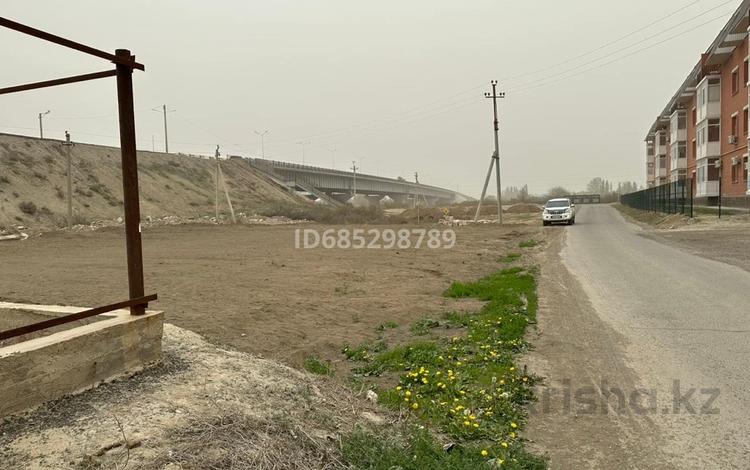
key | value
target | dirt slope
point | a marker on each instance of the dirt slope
(33, 182)
(203, 407)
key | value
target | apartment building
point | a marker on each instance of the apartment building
(702, 133)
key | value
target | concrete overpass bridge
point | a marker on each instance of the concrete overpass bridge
(336, 187)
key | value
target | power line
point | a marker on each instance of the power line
(593, 61)
(610, 43)
(545, 81)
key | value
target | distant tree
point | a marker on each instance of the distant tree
(596, 186)
(524, 193)
(556, 192)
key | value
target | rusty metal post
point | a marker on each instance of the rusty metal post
(130, 180)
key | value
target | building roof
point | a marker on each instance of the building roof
(733, 33)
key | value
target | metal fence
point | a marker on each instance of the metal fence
(670, 198)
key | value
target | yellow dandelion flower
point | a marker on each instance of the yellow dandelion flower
(513, 435)
(504, 445)
(415, 405)
(398, 388)
(466, 423)
(513, 425)
(484, 453)
(476, 425)
(407, 393)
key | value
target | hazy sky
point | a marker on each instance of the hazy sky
(396, 85)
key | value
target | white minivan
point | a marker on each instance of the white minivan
(559, 211)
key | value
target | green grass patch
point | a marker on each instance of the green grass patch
(419, 451)
(423, 327)
(510, 258)
(528, 244)
(467, 388)
(317, 366)
(363, 352)
(389, 325)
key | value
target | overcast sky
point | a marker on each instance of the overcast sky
(396, 85)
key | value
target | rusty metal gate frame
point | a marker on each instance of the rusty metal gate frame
(125, 63)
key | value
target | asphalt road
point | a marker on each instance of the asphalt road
(684, 318)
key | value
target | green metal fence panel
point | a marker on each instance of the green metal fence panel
(671, 198)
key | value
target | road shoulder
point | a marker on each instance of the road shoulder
(580, 355)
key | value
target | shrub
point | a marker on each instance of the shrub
(317, 366)
(27, 207)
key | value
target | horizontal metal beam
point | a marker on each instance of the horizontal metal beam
(58, 81)
(37, 33)
(43, 325)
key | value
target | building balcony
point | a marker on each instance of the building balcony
(707, 189)
(678, 164)
(707, 150)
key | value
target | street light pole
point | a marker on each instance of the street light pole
(333, 157)
(41, 126)
(354, 170)
(302, 144)
(262, 143)
(719, 164)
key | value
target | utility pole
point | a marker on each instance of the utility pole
(495, 158)
(303, 144)
(416, 201)
(262, 143)
(164, 111)
(354, 170)
(218, 169)
(41, 127)
(68, 147)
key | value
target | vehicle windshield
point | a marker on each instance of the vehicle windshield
(554, 204)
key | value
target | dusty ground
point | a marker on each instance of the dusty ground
(203, 407)
(724, 240)
(248, 287)
(729, 245)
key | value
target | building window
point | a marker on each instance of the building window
(695, 116)
(736, 173)
(735, 81)
(714, 130)
(735, 124)
(744, 122)
(745, 77)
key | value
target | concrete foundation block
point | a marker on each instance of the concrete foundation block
(71, 361)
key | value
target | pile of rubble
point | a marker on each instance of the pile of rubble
(14, 233)
(149, 221)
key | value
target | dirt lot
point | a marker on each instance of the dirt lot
(728, 245)
(248, 287)
(724, 240)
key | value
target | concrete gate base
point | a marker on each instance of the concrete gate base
(71, 361)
